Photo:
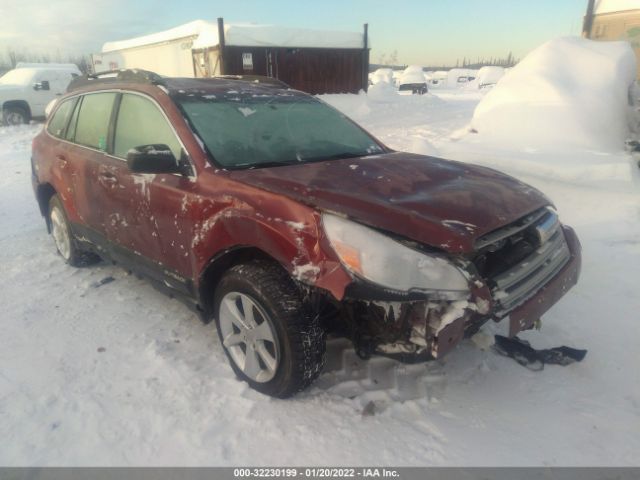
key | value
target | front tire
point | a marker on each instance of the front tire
(271, 338)
(63, 238)
(14, 116)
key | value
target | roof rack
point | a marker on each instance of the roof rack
(112, 76)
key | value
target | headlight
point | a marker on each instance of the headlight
(381, 260)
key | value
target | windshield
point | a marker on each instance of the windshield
(244, 130)
(19, 76)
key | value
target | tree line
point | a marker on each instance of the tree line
(12, 57)
(391, 61)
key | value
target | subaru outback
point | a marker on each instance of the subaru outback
(280, 220)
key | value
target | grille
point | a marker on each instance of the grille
(522, 257)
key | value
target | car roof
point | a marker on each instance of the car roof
(221, 85)
(176, 86)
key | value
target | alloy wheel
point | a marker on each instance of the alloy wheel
(60, 233)
(249, 336)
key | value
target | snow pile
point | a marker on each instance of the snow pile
(205, 34)
(569, 93)
(382, 75)
(422, 146)
(382, 92)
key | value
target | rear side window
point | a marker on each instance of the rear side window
(140, 122)
(92, 129)
(60, 118)
(71, 129)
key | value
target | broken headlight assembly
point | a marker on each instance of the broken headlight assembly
(382, 260)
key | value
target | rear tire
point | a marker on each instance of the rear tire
(260, 315)
(14, 116)
(64, 240)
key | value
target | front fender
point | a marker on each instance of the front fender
(296, 242)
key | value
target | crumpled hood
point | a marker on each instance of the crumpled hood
(441, 203)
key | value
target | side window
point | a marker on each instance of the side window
(60, 118)
(71, 129)
(92, 129)
(140, 122)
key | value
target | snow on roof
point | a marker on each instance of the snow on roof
(205, 34)
(610, 6)
(191, 29)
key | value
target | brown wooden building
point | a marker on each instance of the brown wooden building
(309, 60)
(608, 20)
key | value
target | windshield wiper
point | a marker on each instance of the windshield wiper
(336, 156)
(301, 161)
(267, 164)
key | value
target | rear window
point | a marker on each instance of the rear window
(71, 129)
(92, 129)
(60, 118)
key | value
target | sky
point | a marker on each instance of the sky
(426, 32)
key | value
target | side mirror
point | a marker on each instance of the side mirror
(43, 85)
(157, 158)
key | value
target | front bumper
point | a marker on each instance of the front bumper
(414, 329)
(524, 316)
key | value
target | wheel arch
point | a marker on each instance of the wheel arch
(44, 193)
(219, 264)
(23, 104)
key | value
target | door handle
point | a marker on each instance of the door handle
(62, 160)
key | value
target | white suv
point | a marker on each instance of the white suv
(26, 90)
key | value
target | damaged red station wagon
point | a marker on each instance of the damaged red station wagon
(277, 217)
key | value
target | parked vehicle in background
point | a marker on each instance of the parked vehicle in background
(489, 76)
(413, 81)
(26, 90)
(467, 79)
(279, 219)
(437, 78)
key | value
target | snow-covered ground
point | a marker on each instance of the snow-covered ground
(119, 374)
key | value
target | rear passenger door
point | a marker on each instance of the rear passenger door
(94, 182)
(63, 170)
(88, 135)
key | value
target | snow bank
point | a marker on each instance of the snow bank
(205, 34)
(570, 92)
(382, 92)
(382, 75)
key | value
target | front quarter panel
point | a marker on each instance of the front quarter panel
(243, 216)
